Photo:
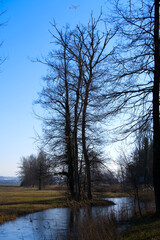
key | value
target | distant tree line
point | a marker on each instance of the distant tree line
(39, 171)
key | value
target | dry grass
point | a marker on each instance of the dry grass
(88, 203)
(11, 195)
(99, 228)
(105, 228)
(16, 201)
(108, 227)
(107, 190)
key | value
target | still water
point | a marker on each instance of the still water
(54, 224)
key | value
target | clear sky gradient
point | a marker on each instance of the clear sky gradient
(26, 37)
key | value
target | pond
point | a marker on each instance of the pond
(54, 224)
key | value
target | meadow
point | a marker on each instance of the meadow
(16, 201)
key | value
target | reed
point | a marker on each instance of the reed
(122, 225)
(99, 228)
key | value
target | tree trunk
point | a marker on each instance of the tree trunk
(156, 127)
(77, 188)
(88, 172)
(68, 133)
(85, 153)
(69, 156)
(40, 177)
(76, 118)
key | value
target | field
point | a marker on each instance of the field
(17, 201)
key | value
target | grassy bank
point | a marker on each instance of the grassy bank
(103, 228)
(16, 201)
(145, 228)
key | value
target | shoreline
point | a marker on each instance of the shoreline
(16, 202)
(32, 208)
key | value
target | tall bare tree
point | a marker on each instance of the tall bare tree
(72, 96)
(55, 99)
(156, 107)
(136, 72)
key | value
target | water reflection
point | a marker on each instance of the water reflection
(54, 224)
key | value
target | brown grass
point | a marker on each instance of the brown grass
(17, 201)
(107, 190)
(99, 228)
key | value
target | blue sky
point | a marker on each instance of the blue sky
(26, 37)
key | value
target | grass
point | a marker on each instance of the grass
(145, 228)
(17, 201)
(109, 191)
(104, 228)
(99, 228)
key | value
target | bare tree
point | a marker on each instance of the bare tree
(131, 178)
(36, 170)
(156, 106)
(132, 66)
(26, 173)
(43, 170)
(136, 72)
(95, 56)
(72, 96)
(56, 98)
